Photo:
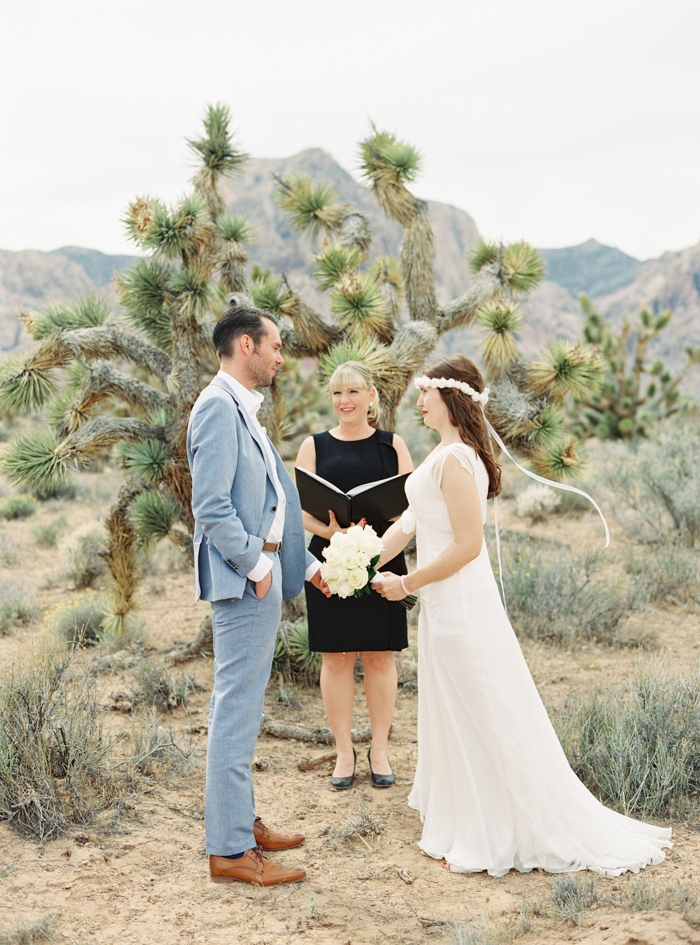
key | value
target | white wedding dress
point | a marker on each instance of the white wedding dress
(493, 786)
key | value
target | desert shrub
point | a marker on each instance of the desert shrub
(15, 606)
(167, 558)
(155, 686)
(156, 751)
(47, 534)
(571, 503)
(560, 597)
(17, 506)
(669, 573)
(536, 502)
(474, 935)
(65, 489)
(9, 558)
(53, 750)
(572, 895)
(79, 621)
(293, 661)
(29, 932)
(646, 896)
(130, 632)
(83, 552)
(654, 485)
(637, 749)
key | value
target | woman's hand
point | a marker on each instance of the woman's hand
(333, 526)
(390, 586)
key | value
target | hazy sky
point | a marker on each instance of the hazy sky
(549, 120)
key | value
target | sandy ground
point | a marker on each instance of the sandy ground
(140, 874)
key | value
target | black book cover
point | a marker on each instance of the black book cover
(373, 501)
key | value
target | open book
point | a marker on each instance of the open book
(375, 501)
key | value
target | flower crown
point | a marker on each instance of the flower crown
(451, 383)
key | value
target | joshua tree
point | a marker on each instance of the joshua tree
(172, 297)
(634, 394)
(169, 298)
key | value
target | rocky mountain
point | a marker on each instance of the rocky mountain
(670, 282)
(29, 279)
(99, 267)
(617, 282)
(590, 267)
(277, 245)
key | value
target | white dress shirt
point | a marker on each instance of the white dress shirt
(251, 401)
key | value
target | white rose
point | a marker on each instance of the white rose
(351, 560)
(371, 543)
(340, 543)
(333, 586)
(354, 533)
(345, 589)
(330, 573)
(357, 578)
(332, 555)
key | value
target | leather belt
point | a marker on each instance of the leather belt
(272, 546)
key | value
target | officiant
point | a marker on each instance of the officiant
(353, 453)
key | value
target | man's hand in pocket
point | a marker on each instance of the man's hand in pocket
(263, 585)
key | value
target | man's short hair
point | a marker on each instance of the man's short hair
(236, 321)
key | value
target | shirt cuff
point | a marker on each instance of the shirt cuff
(262, 567)
(312, 569)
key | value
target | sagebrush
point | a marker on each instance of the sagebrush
(653, 485)
(562, 597)
(54, 769)
(638, 747)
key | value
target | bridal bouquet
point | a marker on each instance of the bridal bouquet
(351, 562)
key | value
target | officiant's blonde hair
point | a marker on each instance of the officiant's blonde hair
(357, 374)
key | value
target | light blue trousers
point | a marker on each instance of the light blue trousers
(244, 642)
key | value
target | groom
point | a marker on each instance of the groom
(249, 555)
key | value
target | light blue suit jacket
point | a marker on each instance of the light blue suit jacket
(234, 499)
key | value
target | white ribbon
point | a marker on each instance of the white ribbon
(549, 482)
(546, 482)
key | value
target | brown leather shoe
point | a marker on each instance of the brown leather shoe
(269, 840)
(253, 868)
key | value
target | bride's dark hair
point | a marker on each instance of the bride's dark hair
(465, 413)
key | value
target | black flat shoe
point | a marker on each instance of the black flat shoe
(379, 780)
(342, 784)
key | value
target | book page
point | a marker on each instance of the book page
(327, 483)
(369, 485)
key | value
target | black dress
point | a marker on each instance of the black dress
(338, 625)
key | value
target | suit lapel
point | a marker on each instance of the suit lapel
(253, 428)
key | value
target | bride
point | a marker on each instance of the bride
(493, 786)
